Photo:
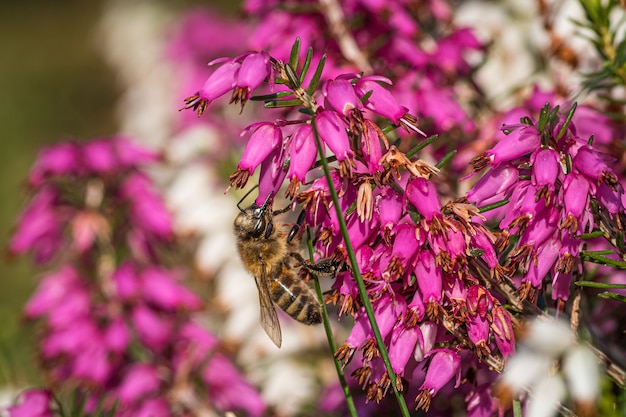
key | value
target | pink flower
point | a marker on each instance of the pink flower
(40, 227)
(161, 289)
(423, 195)
(332, 131)
(402, 346)
(59, 159)
(221, 81)
(154, 330)
(303, 152)
(32, 403)
(522, 140)
(228, 390)
(139, 381)
(99, 157)
(496, 182)
(254, 69)
(381, 101)
(546, 168)
(340, 96)
(147, 210)
(444, 365)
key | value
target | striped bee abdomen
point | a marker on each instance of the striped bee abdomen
(294, 296)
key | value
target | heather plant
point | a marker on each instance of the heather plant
(458, 234)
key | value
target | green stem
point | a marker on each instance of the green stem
(329, 335)
(357, 275)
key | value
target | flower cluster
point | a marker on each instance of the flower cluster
(116, 322)
(417, 257)
(560, 186)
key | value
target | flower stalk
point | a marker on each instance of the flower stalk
(357, 276)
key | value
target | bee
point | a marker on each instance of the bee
(267, 253)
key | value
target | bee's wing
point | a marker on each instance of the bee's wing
(268, 318)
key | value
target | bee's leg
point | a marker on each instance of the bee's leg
(323, 268)
(296, 227)
(326, 267)
(282, 210)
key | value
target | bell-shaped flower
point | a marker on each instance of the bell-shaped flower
(126, 282)
(340, 96)
(402, 346)
(254, 69)
(52, 291)
(332, 130)
(370, 145)
(497, 181)
(140, 380)
(154, 330)
(542, 263)
(147, 209)
(380, 101)
(389, 208)
(545, 168)
(543, 227)
(444, 365)
(116, 336)
(592, 164)
(98, 156)
(221, 81)
(522, 140)
(32, 403)
(576, 194)
(303, 153)
(502, 329)
(91, 364)
(130, 153)
(271, 175)
(422, 193)
(582, 375)
(227, 388)
(266, 138)
(159, 287)
(404, 248)
(39, 227)
(58, 159)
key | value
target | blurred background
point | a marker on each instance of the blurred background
(55, 85)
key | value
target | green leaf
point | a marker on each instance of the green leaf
(492, 206)
(446, 159)
(568, 120)
(275, 104)
(306, 65)
(295, 53)
(602, 285)
(366, 96)
(591, 235)
(612, 296)
(421, 145)
(317, 75)
(292, 77)
(543, 116)
(602, 260)
(271, 96)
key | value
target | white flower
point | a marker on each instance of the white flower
(535, 369)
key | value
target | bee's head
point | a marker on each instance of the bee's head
(256, 221)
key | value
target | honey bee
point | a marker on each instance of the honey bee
(267, 253)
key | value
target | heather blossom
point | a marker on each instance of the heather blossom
(557, 177)
(108, 302)
(426, 245)
(449, 283)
